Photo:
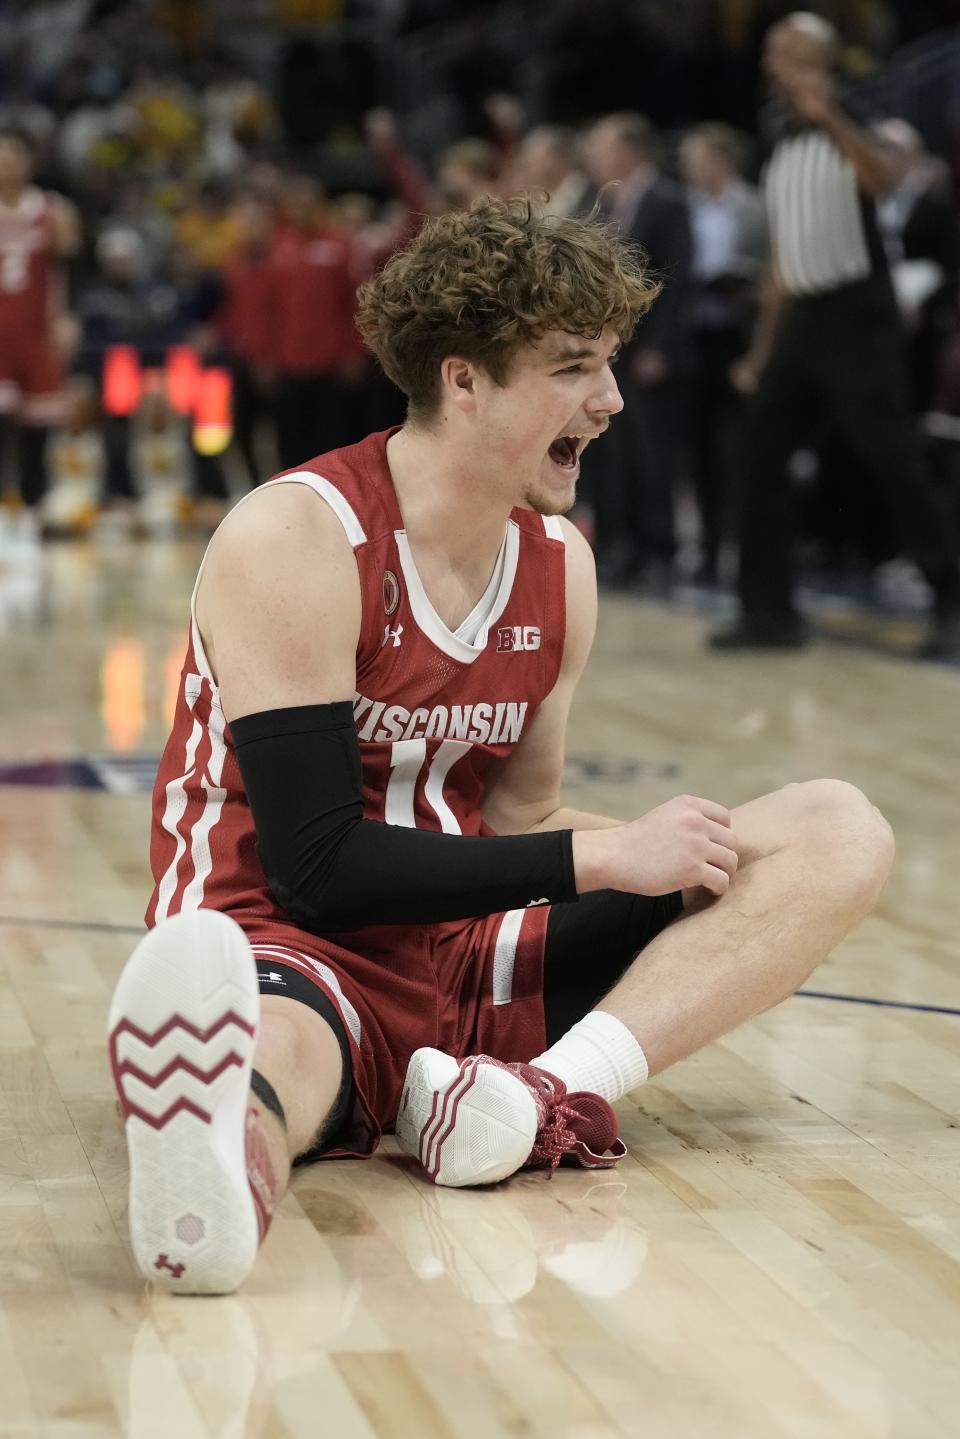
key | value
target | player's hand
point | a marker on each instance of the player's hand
(686, 843)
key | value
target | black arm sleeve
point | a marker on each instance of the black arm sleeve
(332, 870)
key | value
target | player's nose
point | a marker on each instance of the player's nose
(608, 399)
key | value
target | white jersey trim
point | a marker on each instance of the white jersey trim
(176, 805)
(552, 528)
(213, 797)
(426, 616)
(328, 491)
(317, 969)
(341, 507)
(505, 955)
(475, 620)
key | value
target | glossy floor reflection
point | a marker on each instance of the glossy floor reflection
(778, 1255)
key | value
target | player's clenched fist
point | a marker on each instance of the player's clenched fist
(683, 844)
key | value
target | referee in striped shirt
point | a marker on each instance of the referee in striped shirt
(828, 347)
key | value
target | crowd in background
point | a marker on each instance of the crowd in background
(232, 171)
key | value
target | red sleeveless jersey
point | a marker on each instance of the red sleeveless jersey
(434, 710)
(27, 268)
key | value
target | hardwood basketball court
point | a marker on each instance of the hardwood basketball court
(778, 1255)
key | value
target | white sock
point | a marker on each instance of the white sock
(598, 1054)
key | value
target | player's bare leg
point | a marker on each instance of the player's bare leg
(208, 1160)
(298, 1055)
(813, 861)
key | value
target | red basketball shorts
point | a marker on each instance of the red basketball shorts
(470, 987)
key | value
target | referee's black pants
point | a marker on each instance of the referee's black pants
(838, 360)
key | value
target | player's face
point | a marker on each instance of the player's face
(561, 394)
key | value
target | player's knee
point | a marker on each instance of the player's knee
(282, 1042)
(843, 827)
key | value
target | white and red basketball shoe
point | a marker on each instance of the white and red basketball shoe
(477, 1120)
(182, 1029)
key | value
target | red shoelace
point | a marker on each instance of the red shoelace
(555, 1136)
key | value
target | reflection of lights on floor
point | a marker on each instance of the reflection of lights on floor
(122, 705)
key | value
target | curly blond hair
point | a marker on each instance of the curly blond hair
(483, 283)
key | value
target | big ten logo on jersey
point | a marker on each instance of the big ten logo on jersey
(511, 638)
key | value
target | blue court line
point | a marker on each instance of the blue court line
(880, 1003)
(26, 922)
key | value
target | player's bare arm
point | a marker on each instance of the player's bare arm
(279, 604)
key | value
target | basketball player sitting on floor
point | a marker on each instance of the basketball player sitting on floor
(371, 910)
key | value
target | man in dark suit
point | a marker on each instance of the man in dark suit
(918, 221)
(634, 484)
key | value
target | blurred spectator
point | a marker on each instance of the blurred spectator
(239, 123)
(151, 310)
(919, 223)
(37, 229)
(161, 465)
(634, 482)
(467, 171)
(507, 120)
(156, 117)
(208, 227)
(98, 114)
(246, 321)
(199, 292)
(828, 346)
(375, 239)
(729, 254)
(547, 159)
(318, 351)
(169, 132)
(75, 460)
(124, 305)
(414, 198)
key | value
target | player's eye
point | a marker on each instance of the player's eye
(572, 370)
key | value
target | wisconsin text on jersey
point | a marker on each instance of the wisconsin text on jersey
(482, 723)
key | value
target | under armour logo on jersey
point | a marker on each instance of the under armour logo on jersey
(389, 634)
(162, 1262)
(517, 637)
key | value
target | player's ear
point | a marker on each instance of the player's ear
(458, 381)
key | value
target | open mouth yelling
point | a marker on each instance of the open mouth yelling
(565, 455)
